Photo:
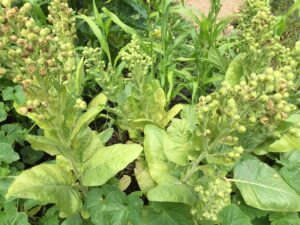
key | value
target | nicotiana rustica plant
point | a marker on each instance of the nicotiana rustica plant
(44, 62)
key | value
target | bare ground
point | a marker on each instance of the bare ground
(228, 6)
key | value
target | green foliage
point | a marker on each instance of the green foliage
(264, 188)
(214, 105)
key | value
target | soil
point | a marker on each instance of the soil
(228, 6)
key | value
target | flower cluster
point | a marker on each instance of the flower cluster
(263, 99)
(258, 38)
(137, 61)
(38, 58)
(212, 199)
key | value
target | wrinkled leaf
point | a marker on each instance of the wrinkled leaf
(48, 183)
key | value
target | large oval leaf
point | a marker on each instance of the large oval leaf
(107, 162)
(48, 183)
(263, 188)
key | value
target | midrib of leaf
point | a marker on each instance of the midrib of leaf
(260, 185)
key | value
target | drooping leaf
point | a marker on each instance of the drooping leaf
(107, 162)
(43, 143)
(48, 183)
(168, 214)
(264, 188)
(235, 70)
(7, 153)
(232, 215)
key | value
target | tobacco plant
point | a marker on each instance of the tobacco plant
(44, 61)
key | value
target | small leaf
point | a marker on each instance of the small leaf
(7, 153)
(165, 213)
(232, 215)
(264, 188)
(15, 94)
(107, 162)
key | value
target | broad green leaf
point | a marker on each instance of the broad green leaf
(177, 192)
(42, 143)
(235, 70)
(73, 220)
(292, 177)
(264, 188)
(7, 153)
(285, 144)
(15, 94)
(96, 204)
(107, 162)
(86, 118)
(48, 183)
(165, 213)
(232, 215)
(124, 210)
